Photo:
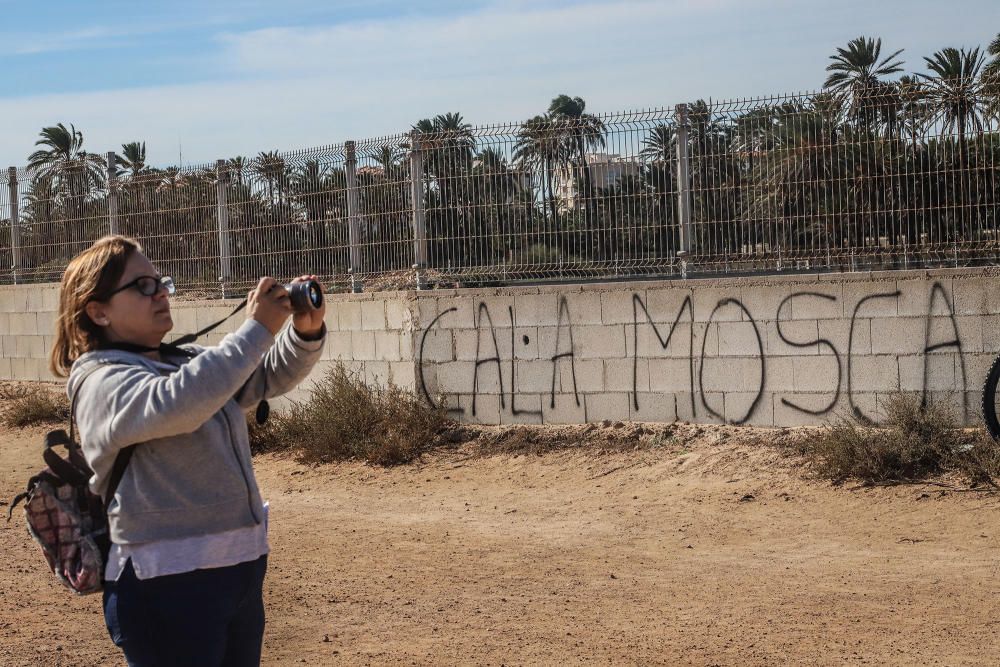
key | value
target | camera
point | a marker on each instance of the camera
(305, 296)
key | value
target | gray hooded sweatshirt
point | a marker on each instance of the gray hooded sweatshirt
(191, 475)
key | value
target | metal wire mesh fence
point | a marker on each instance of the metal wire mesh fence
(900, 177)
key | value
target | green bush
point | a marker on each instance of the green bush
(344, 418)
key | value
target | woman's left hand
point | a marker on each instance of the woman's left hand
(309, 323)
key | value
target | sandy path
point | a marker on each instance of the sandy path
(718, 556)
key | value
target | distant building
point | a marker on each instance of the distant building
(605, 171)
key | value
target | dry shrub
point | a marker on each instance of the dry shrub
(27, 405)
(344, 418)
(915, 442)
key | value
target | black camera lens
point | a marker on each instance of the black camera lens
(305, 296)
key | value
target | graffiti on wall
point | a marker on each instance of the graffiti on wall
(668, 332)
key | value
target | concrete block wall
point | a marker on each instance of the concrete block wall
(778, 351)
(774, 351)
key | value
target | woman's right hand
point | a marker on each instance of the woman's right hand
(269, 304)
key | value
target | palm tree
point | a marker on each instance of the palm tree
(582, 131)
(271, 167)
(73, 171)
(540, 147)
(856, 74)
(991, 76)
(954, 90)
(133, 157)
(661, 144)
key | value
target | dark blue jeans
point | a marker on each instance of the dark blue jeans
(209, 618)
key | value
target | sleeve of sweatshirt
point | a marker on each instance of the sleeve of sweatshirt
(125, 404)
(285, 365)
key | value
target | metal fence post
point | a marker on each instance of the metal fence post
(112, 192)
(222, 213)
(353, 213)
(15, 229)
(417, 198)
(683, 178)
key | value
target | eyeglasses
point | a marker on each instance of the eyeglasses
(148, 285)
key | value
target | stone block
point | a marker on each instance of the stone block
(806, 306)
(606, 405)
(665, 304)
(649, 339)
(653, 407)
(23, 324)
(387, 345)
(425, 308)
(970, 296)
(466, 341)
(332, 317)
(873, 373)
(740, 339)
(673, 375)
(688, 406)
(373, 315)
(797, 331)
(725, 374)
(460, 313)
(397, 315)
(899, 335)
(25, 369)
(6, 371)
(599, 341)
(403, 374)
(490, 378)
(883, 306)
(617, 307)
(970, 333)
(32, 347)
(337, 346)
(585, 307)
(377, 373)
(185, 320)
(363, 345)
(763, 301)
(481, 409)
(533, 376)
(790, 409)
(434, 346)
(976, 368)
(35, 301)
(780, 372)
(46, 323)
(716, 401)
(525, 343)
(626, 374)
(935, 372)
(711, 299)
(535, 310)
(814, 375)
(494, 310)
(4, 323)
(749, 408)
(349, 316)
(990, 333)
(563, 409)
(523, 409)
(589, 375)
(837, 332)
(455, 377)
(50, 299)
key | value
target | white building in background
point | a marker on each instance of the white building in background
(605, 171)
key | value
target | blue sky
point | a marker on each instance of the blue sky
(223, 78)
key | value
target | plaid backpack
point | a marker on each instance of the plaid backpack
(68, 521)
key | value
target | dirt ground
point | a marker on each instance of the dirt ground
(708, 550)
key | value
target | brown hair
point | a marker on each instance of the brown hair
(91, 276)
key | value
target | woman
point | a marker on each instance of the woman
(189, 548)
